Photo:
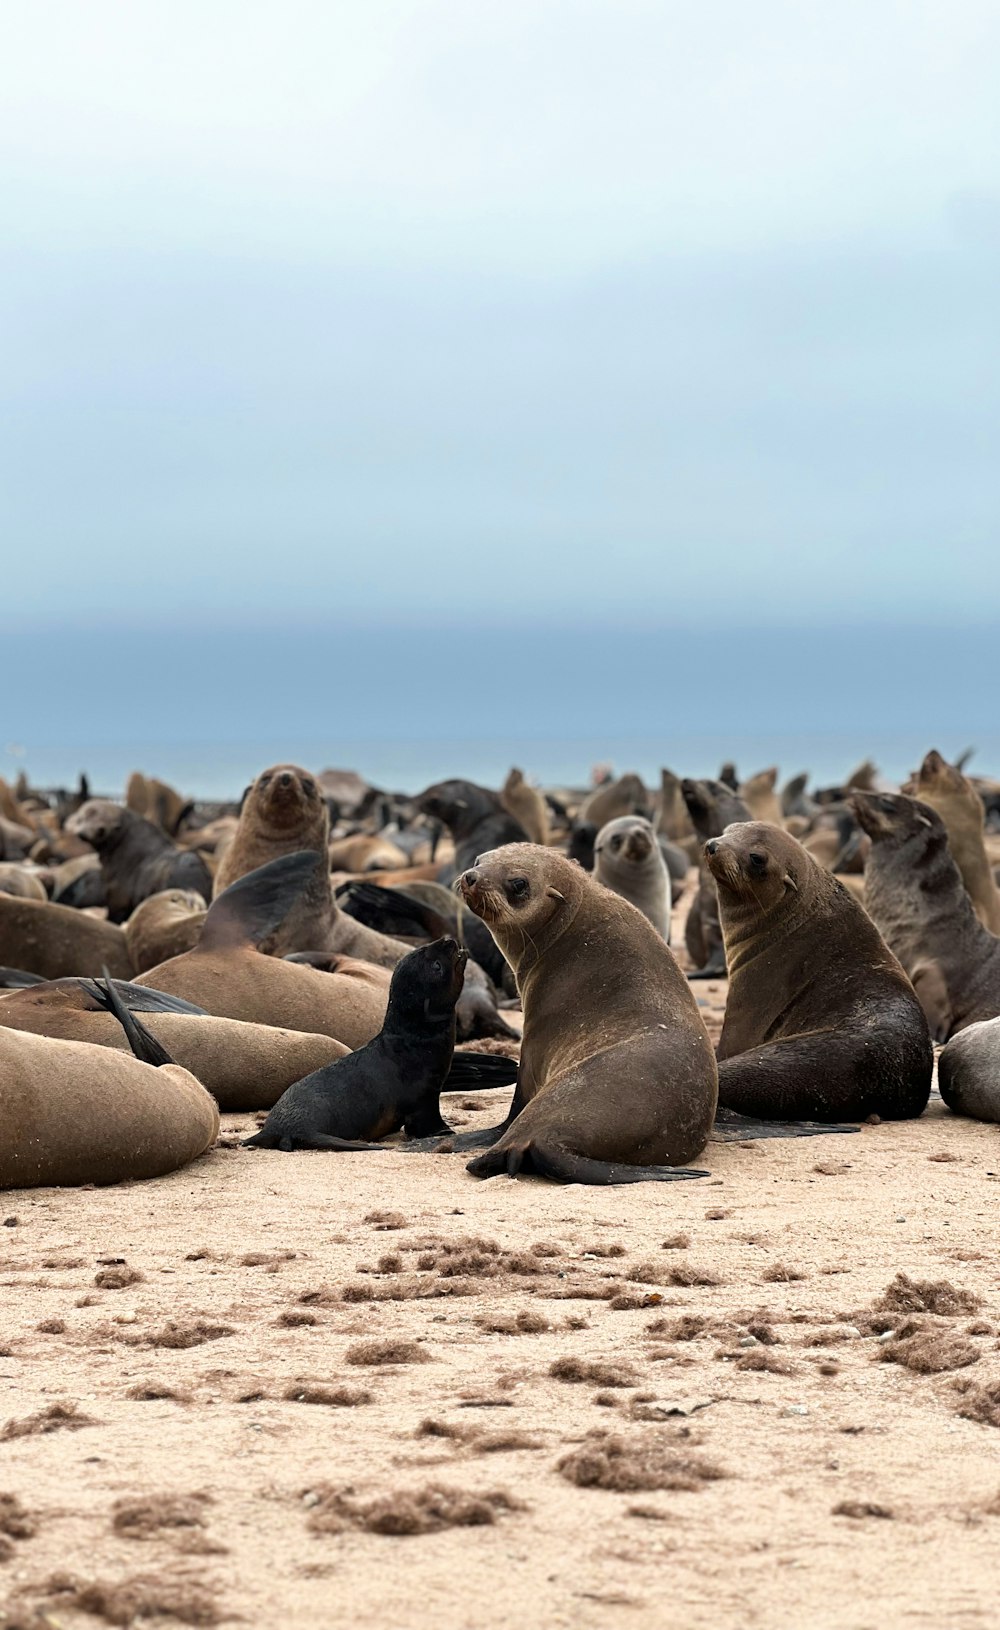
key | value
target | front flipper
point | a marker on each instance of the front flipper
(479, 1071)
(715, 968)
(458, 1142)
(426, 1121)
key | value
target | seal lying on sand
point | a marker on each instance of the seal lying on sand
(73, 1114)
(51, 940)
(627, 859)
(396, 1079)
(821, 1021)
(915, 895)
(617, 1081)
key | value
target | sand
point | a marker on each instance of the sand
(720, 1339)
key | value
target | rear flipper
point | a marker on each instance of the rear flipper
(19, 979)
(305, 1140)
(551, 1160)
(479, 1071)
(458, 1142)
(144, 1046)
(138, 998)
(715, 968)
(733, 1128)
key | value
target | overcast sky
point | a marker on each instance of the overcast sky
(567, 310)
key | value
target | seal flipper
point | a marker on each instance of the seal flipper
(553, 1161)
(393, 911)
(732, 1127)
(426, 1121)
(19, 979)
(139, 998)
(715, 968)
(479, 1071)
(256, 905)
(145, 1047)
(306, 1140)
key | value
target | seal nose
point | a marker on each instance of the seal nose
(712, 845)
(285, 779)
(470, 878)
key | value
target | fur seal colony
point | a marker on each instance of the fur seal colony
(317, 949)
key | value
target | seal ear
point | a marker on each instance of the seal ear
(790, 882)
(923, 820)
(554, 894)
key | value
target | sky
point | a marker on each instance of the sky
(532, 314)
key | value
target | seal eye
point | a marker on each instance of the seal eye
(517, 888)
(758, 862)
(308, 787)
(616, 843)
(437, 968)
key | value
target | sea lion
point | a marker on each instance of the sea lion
(760, 797)
(164, 925)
(626, 796)
(628, 861)
(617, 1080)
(672, 818)
(960, 807)
(526, 804)
(227, 975)
(821, 1022)
(54, 940)
(137, 858)
(969, 1071)
(20, 882)
(711, 806)
(283, 812)
(395, 1080)
(915, 896)
(74, 1113)
(244, 1066)
(475, 818)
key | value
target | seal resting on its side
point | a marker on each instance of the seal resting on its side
(627, 860)
(821, 1021)
(617, 1080)
(55, 940)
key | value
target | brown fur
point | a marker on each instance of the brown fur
(617, 1074)
(821, 1022)
(283, 812)
(526, 804)
(622, 797)
(960, 807)
(76, 1114)
(761, 799)
(19, 882)
(55, 941)
(363, 854)
(164, 925)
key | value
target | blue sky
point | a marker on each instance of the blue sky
(571, 310)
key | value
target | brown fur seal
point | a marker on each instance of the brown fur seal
(960, 807)
(78, 882)
(244, 1066)
(526, 804)
(712, 806)
(617, 1080)
(475, 818)
(227, 975)
(915, 895)
(20, 882)
(969, 1071)
(53, 940)
(283, 812)
(73, 1114)
(627, 860)
(760, 797)
(626, 796)
(137, 858)
(164, 925)
(672, 819)
(821, 1021)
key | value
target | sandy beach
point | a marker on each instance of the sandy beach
(708, 1403)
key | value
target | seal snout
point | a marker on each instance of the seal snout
(711, 846)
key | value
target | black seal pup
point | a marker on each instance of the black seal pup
(394, 1081)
